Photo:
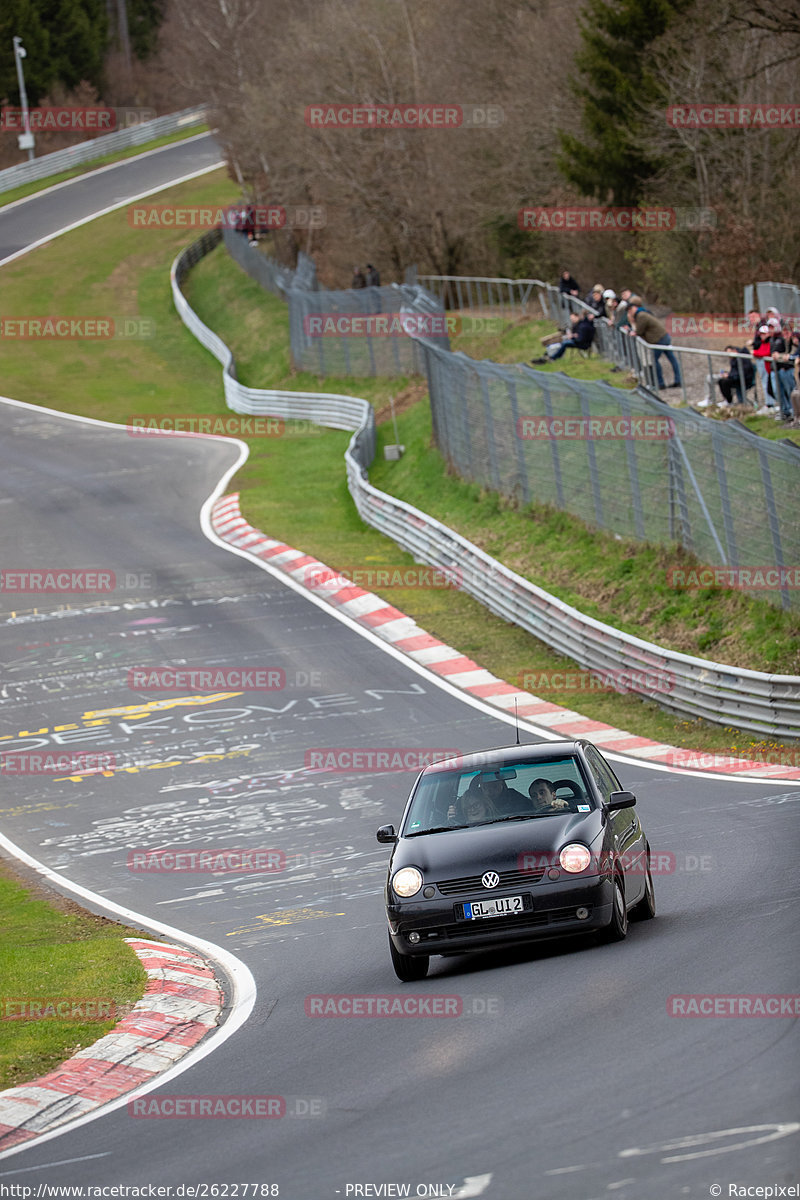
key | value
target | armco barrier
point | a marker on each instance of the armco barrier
(108, 143)
(721, 694)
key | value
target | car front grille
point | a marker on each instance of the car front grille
(472, 883)
(522, 921)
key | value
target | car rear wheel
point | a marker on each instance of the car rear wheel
(408, 967)
(645, 910)
(617, 928)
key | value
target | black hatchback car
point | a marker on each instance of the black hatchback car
(513, 845)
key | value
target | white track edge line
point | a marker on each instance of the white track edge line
(119, 162)
(103, 212)
(243, 993)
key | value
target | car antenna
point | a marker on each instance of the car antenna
(516, 718)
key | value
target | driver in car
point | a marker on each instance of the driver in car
(544, 798)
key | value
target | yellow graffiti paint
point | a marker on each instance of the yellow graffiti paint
(284, 916)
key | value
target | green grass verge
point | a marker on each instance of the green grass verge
(518, 340)
(56, 951)
(295, 487)
(40, 185)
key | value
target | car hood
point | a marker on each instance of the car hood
(462, 852)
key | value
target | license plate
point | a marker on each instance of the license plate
(500, 906)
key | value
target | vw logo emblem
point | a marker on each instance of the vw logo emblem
(490, 879)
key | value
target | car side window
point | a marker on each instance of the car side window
(604, 776)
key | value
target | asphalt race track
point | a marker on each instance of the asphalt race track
(567, 1080)
(40, 216)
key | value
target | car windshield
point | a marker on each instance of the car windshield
(460, 799)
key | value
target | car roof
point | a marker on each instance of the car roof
(508, 756)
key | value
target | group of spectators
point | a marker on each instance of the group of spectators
(772, 355)
(360, 280)
(626, 312)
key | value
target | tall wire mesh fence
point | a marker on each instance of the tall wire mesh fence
(357, 332)
(621, 461)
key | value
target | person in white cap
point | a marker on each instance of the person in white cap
(611, 302)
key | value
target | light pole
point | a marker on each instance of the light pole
(25, 139)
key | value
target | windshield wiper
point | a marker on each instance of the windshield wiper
(436, 829)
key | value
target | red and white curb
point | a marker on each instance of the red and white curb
(181, 1004)
(404, 634)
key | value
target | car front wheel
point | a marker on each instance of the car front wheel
(408, 967)
(617, 928)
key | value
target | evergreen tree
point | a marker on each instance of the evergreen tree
(615, 85)
(144, 21)
(65, 42)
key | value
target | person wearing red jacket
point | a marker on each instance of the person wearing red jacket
(762, 353)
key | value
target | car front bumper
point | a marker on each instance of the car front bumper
(553, 913)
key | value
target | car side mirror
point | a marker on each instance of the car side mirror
(386, 833)
(619, 800)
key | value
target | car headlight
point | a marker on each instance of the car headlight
(407, 881)
(575, 858)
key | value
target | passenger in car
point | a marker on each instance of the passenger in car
(475, 805)
(544, 798)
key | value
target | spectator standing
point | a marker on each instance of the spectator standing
(358, 280)
(763, 363)
(373, 278)
(782, 373)
(595, 300)
(568, 286)
(650, 330)
(609, 304)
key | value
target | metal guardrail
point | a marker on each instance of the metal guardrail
(721, 694)
(107, 143)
